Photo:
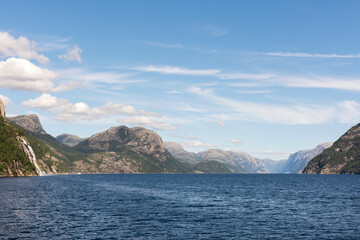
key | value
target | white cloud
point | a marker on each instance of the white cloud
(197, 144)
(317, 82)
(184, 137)
(20, 47)
(21, 74)
(68, 112)
(311, 55)
(6, 101)
(221, 124)
(147, 122)
(283, 114)
(236, 142)
(178, 70)
(85, 76)
(248, 76)
(72, 55)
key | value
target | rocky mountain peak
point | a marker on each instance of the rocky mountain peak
(69, 139)
(2, 109)
(138, 139)
(28, 122)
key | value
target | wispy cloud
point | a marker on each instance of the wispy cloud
(221, 124)
(197, 144)
(247, 76)
(215, 31)
(236, 142)
(311, 55)
(183, 137)
(178, 70)
(345, 112)
(6, 101)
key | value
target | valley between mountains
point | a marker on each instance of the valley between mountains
(27, 149)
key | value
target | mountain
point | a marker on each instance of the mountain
(69, 139)
(298, 161)
(274, 166)
(17, 158)
(127, 150)
(180, 153)
(236, 162)
(51, 156)
(13, 159)
(30, 123)
(343, 157)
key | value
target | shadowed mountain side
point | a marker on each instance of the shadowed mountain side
(343, 157)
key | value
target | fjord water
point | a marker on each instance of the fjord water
(169, 206)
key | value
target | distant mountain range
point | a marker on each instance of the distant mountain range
(240, 162)
(139, 150)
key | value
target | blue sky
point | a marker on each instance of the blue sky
(264, 77)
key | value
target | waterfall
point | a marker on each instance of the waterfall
(30, 154)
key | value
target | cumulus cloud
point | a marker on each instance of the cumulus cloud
(21, 74)
(147, 122)
(72, 55)
(178, 70)
(67, 112)
(283, 114)
(20, 47)
(221, 124)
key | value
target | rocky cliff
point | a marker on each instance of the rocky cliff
(28, 122)
(2, 109)
(16, 155)
(298, 161)
(343, 157)
(52, 156)
(126, 150)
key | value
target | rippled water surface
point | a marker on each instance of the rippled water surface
(180, 207)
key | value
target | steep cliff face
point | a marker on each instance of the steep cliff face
(28, 122)
(16, 155)
(298, 161)
(52, 156)
(2, 109)
(343, 157)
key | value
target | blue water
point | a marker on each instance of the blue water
(180, 207)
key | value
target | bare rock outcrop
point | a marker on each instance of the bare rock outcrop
(2, 109)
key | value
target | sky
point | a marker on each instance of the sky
(264, 77)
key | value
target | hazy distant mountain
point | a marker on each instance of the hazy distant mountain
(343, 157)
(69, 139)
(180, 153)
(298, 161)
(274, 166)
(237, 162)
